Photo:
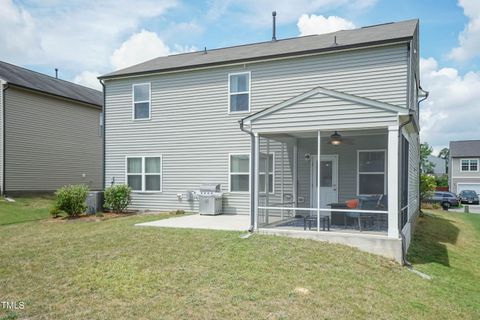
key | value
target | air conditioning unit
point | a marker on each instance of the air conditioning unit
(95, 202)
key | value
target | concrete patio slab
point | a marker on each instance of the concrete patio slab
(228, 222)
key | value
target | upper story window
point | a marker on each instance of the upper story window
(468, 165)
(141, 101)
(239, 92)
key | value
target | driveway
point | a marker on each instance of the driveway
(229, 222)
(474, 208)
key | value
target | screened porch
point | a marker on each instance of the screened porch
(323, 181)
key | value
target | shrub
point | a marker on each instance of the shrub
(117, 198)
(427, 186)
(55, 211)
(72, 199)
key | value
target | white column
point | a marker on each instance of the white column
(392, 181)
(256, 177)
(318, 179)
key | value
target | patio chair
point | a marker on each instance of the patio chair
(377, 202)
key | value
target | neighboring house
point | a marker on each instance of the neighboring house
(51, 134)
(439, 165)
(257, 118)
(464, 173)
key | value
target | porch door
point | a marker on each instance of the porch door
(328, 180)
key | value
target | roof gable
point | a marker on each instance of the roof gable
(329, 93)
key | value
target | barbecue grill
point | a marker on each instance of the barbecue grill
(210, 199)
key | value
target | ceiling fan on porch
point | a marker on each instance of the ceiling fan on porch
(337, 139)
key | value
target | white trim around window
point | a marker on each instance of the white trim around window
(469, 165)
(149, 101)
(238, 173)
(143, 174)
(371, 173)
(240, 92)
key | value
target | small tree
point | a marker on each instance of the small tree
(118, 198)
(426, 165)
(445, 154)
(72, 199)
(427, 186)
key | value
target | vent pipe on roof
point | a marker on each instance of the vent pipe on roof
(274, 14)
(56, 73)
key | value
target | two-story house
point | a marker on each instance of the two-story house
(50, 133)
(464, 173)
(304, 134)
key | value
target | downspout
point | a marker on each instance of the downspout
(426, 94)
(400, 227)
(252, 181)
(104, 178)
(4, 89)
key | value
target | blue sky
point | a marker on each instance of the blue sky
(85, 38)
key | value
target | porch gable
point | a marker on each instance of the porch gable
(322, 108)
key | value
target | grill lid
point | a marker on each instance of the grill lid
(210, 188)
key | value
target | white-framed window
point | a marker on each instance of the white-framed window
(262, 175)
(239, 172)
(371, 168)
(141, 101)
(239, 92)
(144, 173)
(469, 165)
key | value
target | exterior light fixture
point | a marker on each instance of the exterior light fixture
(335, 139)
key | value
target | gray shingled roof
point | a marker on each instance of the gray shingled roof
(468, 148)
(347, 38)
(29, 79)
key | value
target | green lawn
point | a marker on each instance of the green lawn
(25, 209)
(113, 270)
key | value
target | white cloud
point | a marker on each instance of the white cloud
(143, 46)
(88, 79)
(469, 38)
(313, 24)
(258, 13)
(451, 110)
(18, 37)
(72, 35)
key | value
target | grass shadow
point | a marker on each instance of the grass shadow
(432, 234)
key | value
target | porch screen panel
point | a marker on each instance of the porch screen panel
(404, 165)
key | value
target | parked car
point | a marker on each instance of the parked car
(468, 196)
(445, 199)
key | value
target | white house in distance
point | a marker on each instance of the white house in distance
(258, 119)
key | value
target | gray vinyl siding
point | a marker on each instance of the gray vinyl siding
(1, 133)
(50, 142)
(413, 182)
(193, 131)
(321, 111)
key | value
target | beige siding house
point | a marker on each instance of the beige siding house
(51, 133)
(291, 129)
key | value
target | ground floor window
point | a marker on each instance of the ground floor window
(371, 172)
(239, 173)
(264, 163)
(144, 173)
